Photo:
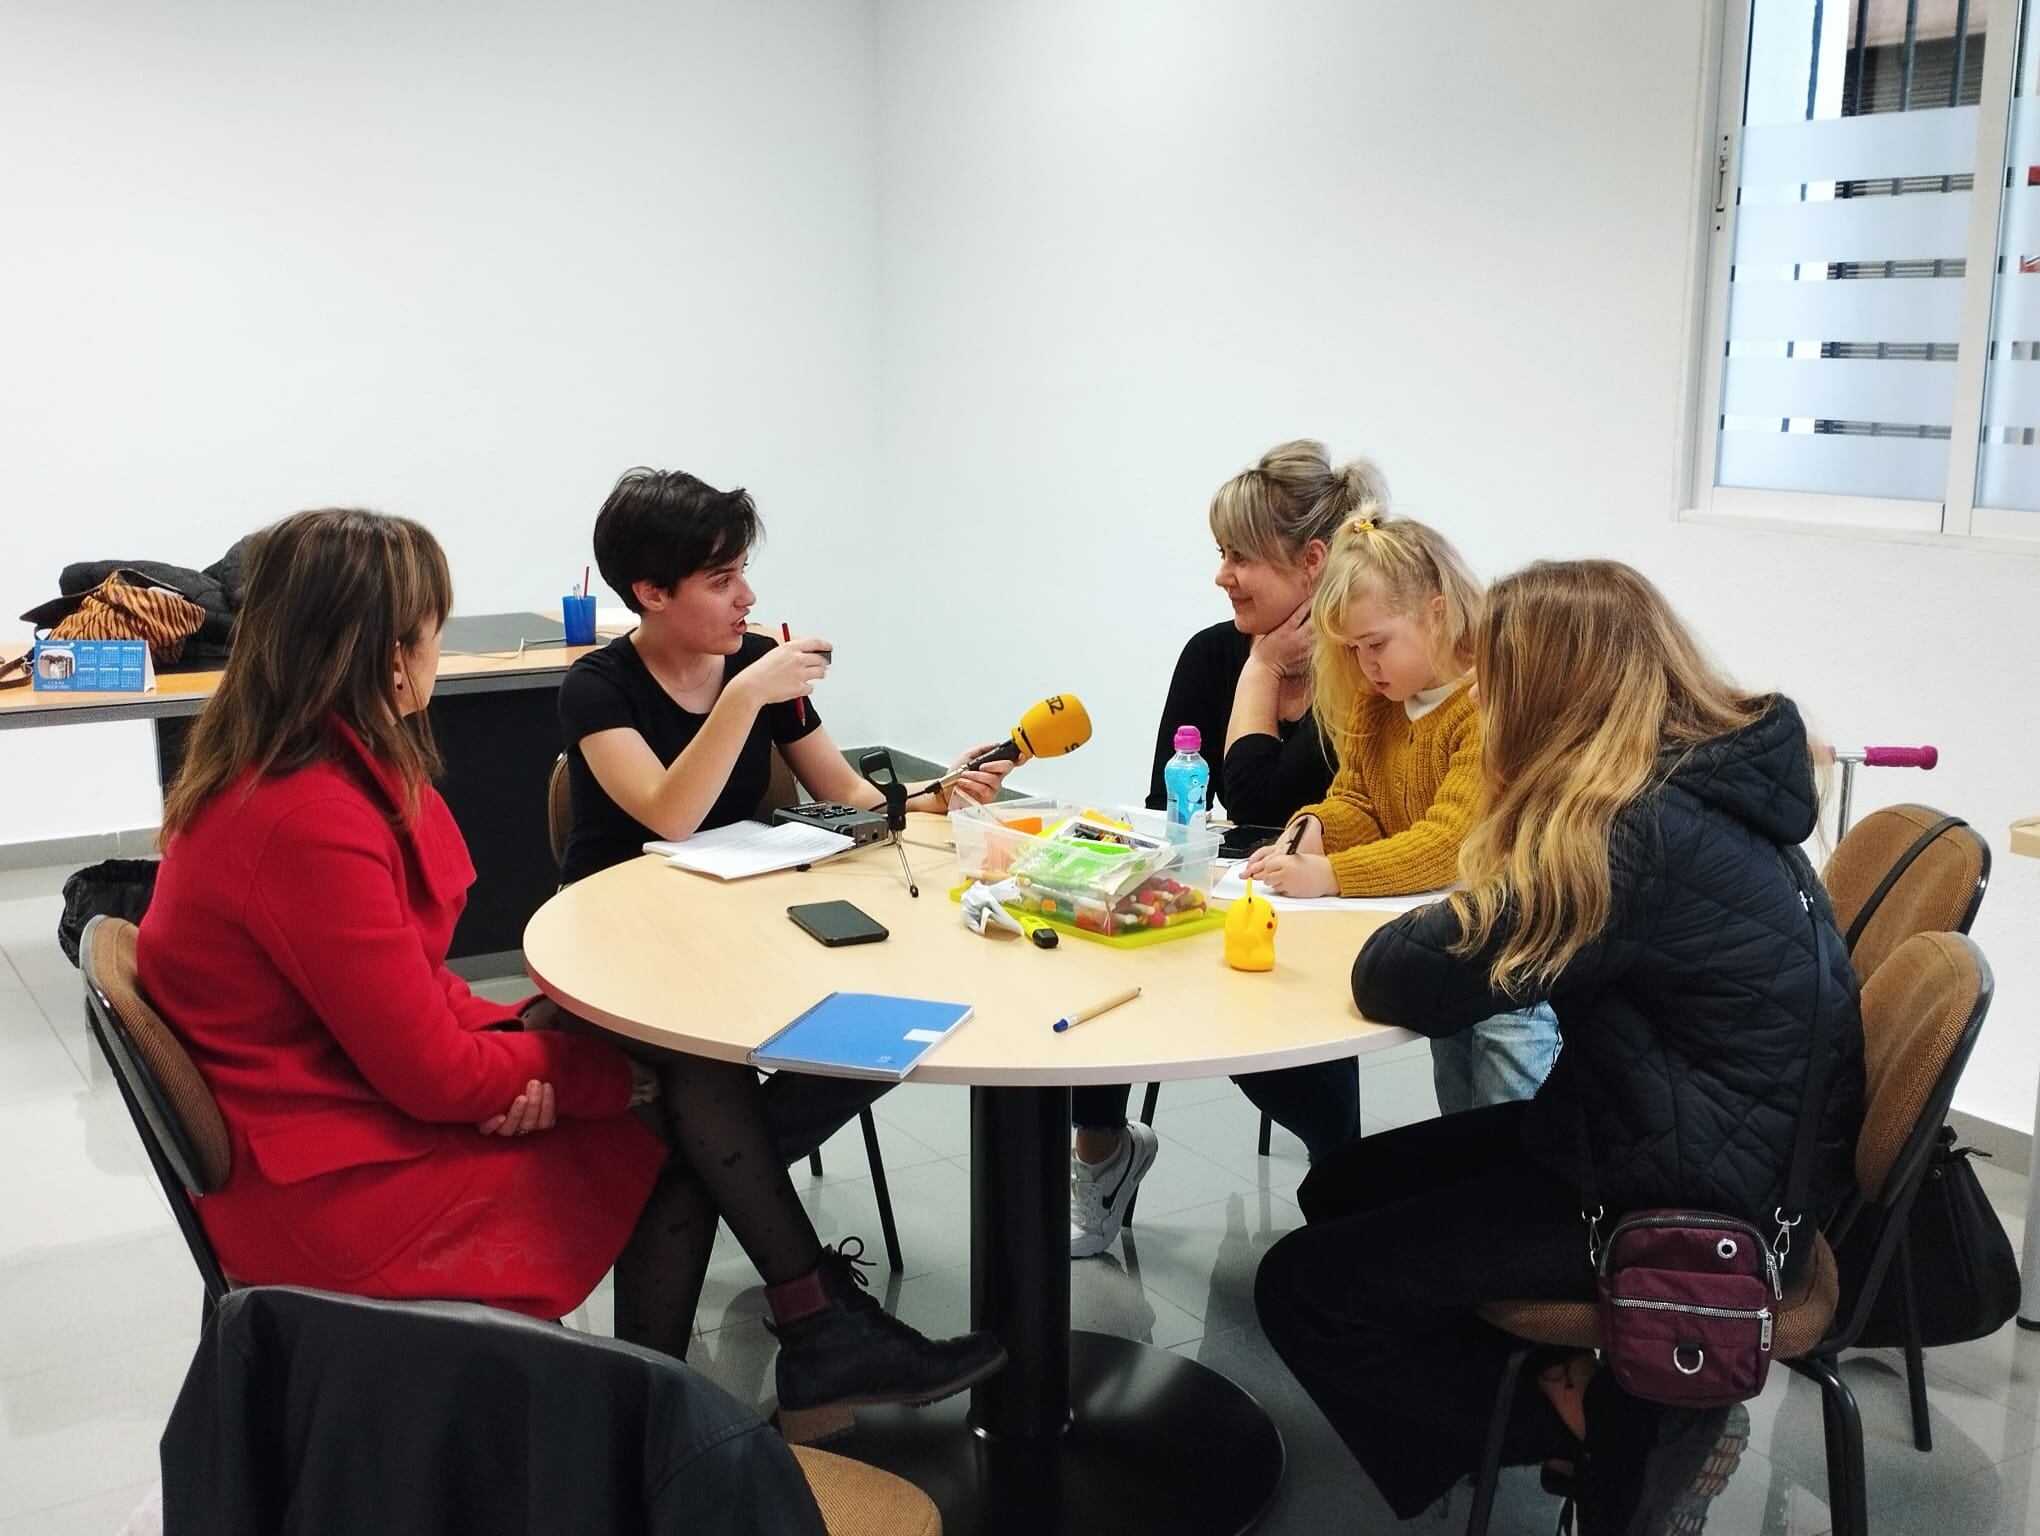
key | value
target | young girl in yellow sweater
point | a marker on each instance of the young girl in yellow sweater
(1395, 614)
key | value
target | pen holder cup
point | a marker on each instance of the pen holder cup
(577, 614)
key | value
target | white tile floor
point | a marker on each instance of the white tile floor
(99, 1304)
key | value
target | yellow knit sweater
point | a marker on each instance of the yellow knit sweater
(1404, 797)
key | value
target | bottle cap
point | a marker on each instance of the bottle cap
(1189, 739)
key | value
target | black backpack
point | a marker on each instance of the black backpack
(117, 888)
(1965, 1276)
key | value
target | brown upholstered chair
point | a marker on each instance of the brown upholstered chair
(859, 1500)
(559, 808)
(1889, 879)
(171, 1106)
(855, 1500)
(1904, 870)
(781, 789)
(1922, 1012)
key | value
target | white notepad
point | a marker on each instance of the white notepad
(752, 848)
(1231, 888)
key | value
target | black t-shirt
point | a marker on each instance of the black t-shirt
(611, 689)
(1264, 780)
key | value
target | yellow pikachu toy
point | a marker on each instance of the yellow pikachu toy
(1250, 933)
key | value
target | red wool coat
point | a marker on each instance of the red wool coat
(297, 943)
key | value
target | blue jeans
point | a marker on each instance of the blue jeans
(1319, 1103)
(1497, 1061)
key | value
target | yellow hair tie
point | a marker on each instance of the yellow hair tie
(1363, 525)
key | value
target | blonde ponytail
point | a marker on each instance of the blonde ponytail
(1294, 495)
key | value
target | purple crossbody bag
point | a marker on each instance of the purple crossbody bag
(1688, 1298)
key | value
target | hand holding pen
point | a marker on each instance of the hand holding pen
(799, 704)
(1306, 835)
(1295, 863)
(789, 672)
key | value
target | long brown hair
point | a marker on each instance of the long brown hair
(1591, 689)
(331, 596)
(1406, 565)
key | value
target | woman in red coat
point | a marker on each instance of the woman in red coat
(392, 1134)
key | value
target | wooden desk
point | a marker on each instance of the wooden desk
(496, 722)
(1081, 1431)
(180, 695)
(2026, 837)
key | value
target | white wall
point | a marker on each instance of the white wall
(464, 261)
(1125, 247)
(1016, 283)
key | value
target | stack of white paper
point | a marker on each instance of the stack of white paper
(1232, 888)
(752, 848)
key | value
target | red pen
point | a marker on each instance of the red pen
(799, 705)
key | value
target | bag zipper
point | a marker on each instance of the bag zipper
(1703, 1220)
(1762, 1314)
(1687, 1219)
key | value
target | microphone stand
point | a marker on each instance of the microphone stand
(877, 766)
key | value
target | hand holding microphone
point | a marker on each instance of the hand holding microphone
(974, 785)
(1057, 725)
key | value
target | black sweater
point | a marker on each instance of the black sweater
(1688, 1022)
(1264, 780)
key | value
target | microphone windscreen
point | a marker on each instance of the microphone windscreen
(1054, 726)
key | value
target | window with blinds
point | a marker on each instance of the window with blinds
(1872, 352)
(2008, 466)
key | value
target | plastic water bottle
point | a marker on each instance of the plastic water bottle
(1187, 778)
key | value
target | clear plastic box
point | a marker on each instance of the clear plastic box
(1103, 872)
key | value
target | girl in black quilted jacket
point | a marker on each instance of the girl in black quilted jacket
(1637, 866)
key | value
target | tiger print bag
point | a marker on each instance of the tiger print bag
(129, 606)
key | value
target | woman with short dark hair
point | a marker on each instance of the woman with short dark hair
(670, 729)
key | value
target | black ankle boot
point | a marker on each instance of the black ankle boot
(853, 1351)
(1656, 1474)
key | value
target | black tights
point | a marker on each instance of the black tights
(724, 1164)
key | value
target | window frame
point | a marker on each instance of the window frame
(1956, 519)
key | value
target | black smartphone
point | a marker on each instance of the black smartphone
(1237, 842)
(836, 923)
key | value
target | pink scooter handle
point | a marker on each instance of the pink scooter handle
(1901, 757)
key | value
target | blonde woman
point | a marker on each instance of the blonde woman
(1394, 619)
(1245, 684)
(1636, 862)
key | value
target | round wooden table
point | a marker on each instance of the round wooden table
(1080, 1431)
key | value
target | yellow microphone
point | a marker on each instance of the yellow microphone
(1056, 725)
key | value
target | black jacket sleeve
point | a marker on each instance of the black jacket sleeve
(1407, 975)
(1268, 779)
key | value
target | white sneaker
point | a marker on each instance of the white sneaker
(1101, 1192)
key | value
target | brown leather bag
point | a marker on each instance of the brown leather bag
(128, 606)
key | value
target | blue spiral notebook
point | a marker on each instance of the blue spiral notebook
(861, 1034)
